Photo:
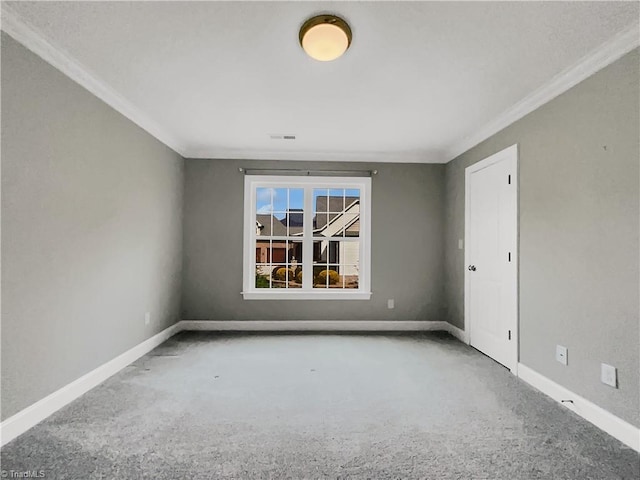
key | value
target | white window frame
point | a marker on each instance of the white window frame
(308, 183)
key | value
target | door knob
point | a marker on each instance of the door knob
(472, 268)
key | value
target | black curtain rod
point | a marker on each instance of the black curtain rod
(307, 173)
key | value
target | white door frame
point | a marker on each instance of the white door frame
(508, 153)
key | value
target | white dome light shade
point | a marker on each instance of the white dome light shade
(325, 42)
(325, 37)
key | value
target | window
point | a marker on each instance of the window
(306, 237)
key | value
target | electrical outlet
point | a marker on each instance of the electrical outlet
(562, 355)
(460, 244)
(147, 318)
(391, 304)
(609, 375)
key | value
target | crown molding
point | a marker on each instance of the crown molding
(34, 40)
(591, 63)
(335, 156)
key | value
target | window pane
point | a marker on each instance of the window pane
(279, 251)
(264, 200)
(269, 224)
(287, 276)
(349, 275)
(296, 281)
(274, 251)
(294, 255)
(295, 264)
(320, 202)
(263, 251)
(336, 276)
(336, 252)
(320, 211)
(352, 194)
(295, 217)
(326, 276)
(343, 225)
(324, 251)
(353, 228)
(262, 276)
(281, 276)
(348, 253)
(280, 199)
(317, 252)
(336, 200)
(296, 199)
(320, 224)
(352, 201)
(294, 222)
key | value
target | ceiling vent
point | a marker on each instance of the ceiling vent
(282, 137)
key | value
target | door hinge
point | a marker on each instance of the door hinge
(509, 179)
(509, 334)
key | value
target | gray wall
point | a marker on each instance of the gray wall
(579, 249)
(406, 246)
(91, 231)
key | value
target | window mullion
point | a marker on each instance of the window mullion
(307, 242)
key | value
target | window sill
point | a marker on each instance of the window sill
(306, 295)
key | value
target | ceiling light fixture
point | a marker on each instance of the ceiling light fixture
(325, 37)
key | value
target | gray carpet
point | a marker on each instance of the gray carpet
(211, 406)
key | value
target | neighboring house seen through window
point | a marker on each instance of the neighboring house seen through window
(306, 237)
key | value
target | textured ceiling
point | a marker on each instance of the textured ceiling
(419, 76)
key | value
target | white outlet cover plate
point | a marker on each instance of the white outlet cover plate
(391, 303)
(609, 375)
(561, 354)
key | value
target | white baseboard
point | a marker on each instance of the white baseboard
(34, 414)
(458, 333)
(312, 325)
(601, 418)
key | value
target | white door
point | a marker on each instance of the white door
(491, 276)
